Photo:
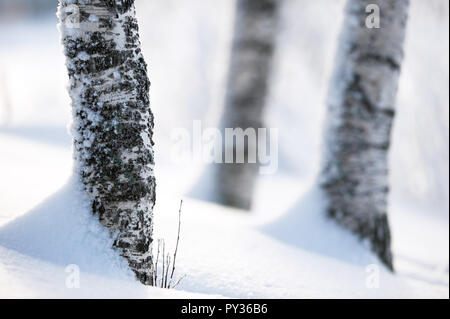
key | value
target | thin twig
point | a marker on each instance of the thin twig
(176, 246)
(156, 264)
(168, 262)
(164, 262)
(167, 271)
(178, 281)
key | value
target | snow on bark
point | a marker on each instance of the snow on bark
(250, 67)
(361, 110)
(112, 122)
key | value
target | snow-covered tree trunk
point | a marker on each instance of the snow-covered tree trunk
(112, 121)
(249, 74)
(361, 110)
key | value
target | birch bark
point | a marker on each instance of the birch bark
(361, 108)
(112, 122)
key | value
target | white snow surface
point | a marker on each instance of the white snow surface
(284, 248)
(289, 252)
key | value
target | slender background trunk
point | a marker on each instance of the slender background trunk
(112, 121)
(248, 80)
(361, 110)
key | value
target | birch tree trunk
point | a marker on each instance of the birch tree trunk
(361, 110)
(112, 122)
(250, 67)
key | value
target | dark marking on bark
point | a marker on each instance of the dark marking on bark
(254, 46)
(376, 58)
(258, 6)
(121, 6)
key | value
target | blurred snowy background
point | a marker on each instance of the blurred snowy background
(186, 44)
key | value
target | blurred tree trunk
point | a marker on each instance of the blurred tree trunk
(361, 110)
(249, 73)
(112, 122)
